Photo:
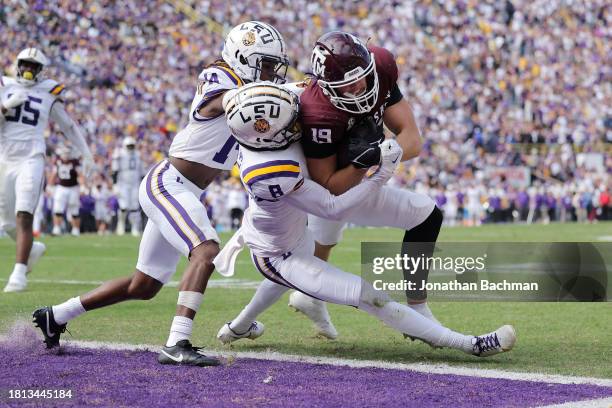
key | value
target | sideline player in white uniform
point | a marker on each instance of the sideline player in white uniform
(67, 192)
(128, 170)
(170, 196)
(27, 103)
(262, 117)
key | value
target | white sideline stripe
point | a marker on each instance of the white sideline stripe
(228, 283)
(419, 367)
(595, 403)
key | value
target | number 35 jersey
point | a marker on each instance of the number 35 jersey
(22, 133)
(207, 140)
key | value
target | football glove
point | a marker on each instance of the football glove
(391, 154)
(367, 130)
(364, 138)
(16, 99)
(363, 155)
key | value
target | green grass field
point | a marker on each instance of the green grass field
(558, 338)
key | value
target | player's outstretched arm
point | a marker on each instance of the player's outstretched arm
(399, 118)
(73, 132)
(314, 199)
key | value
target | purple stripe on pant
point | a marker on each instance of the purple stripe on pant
(176, 205)
(275, 276)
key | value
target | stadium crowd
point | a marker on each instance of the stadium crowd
(512, 97)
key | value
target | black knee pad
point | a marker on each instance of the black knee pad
(428, 230)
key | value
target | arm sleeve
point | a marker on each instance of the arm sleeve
(70, 128)
(315, 199)
(395, 97)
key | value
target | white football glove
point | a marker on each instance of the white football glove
(390, 157)
(88, 166)
(16, 99)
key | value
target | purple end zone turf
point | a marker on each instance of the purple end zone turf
(104, 378)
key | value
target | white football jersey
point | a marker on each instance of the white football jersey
(208, 140)
(22, 133)
(129, 166)
(272, 227)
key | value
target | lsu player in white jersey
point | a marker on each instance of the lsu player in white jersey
(262, 117)
(27, 103)
(170, 196)
(128, 170)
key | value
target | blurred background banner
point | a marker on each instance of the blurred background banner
(500, 271)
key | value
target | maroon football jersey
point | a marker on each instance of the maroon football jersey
(324, 127)
(66, 172)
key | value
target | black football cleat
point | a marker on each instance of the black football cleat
(43, 319)
(183, 353)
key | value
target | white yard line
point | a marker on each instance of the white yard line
(595, 403)
(419, 367)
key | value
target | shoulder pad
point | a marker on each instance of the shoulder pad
(272, 179)
(51, 86)
(316, 108)
(220, 76)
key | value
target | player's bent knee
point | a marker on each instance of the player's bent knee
(371, 296)
(204, 254)
(143, 287)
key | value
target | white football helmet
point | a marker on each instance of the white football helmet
(129, 141)
(263, 116)
(255, 48)
(30, 63)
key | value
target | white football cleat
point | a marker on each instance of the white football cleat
(226, 335)
(16, 284)
(316, 311)
(75, 232)
(499, 341)
(57, 230)
(38, 250)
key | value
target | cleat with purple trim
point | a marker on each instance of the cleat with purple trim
(226, 335)
(499, 341)
(43, 319)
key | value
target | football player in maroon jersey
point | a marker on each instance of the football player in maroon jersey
(354, 93)
(343, 109)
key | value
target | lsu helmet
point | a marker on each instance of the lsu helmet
(129, 142)
(256, 52)
(340, 61)
(263, 116)
(30, 62)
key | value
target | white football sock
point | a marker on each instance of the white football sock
(19, 272)
(424, 310)
(407, 321)
(180, 330)
(68, 310)
(135, 219)
(266, 295)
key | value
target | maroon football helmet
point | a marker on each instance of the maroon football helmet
(342, 63)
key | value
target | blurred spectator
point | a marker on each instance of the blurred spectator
(494, 85)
